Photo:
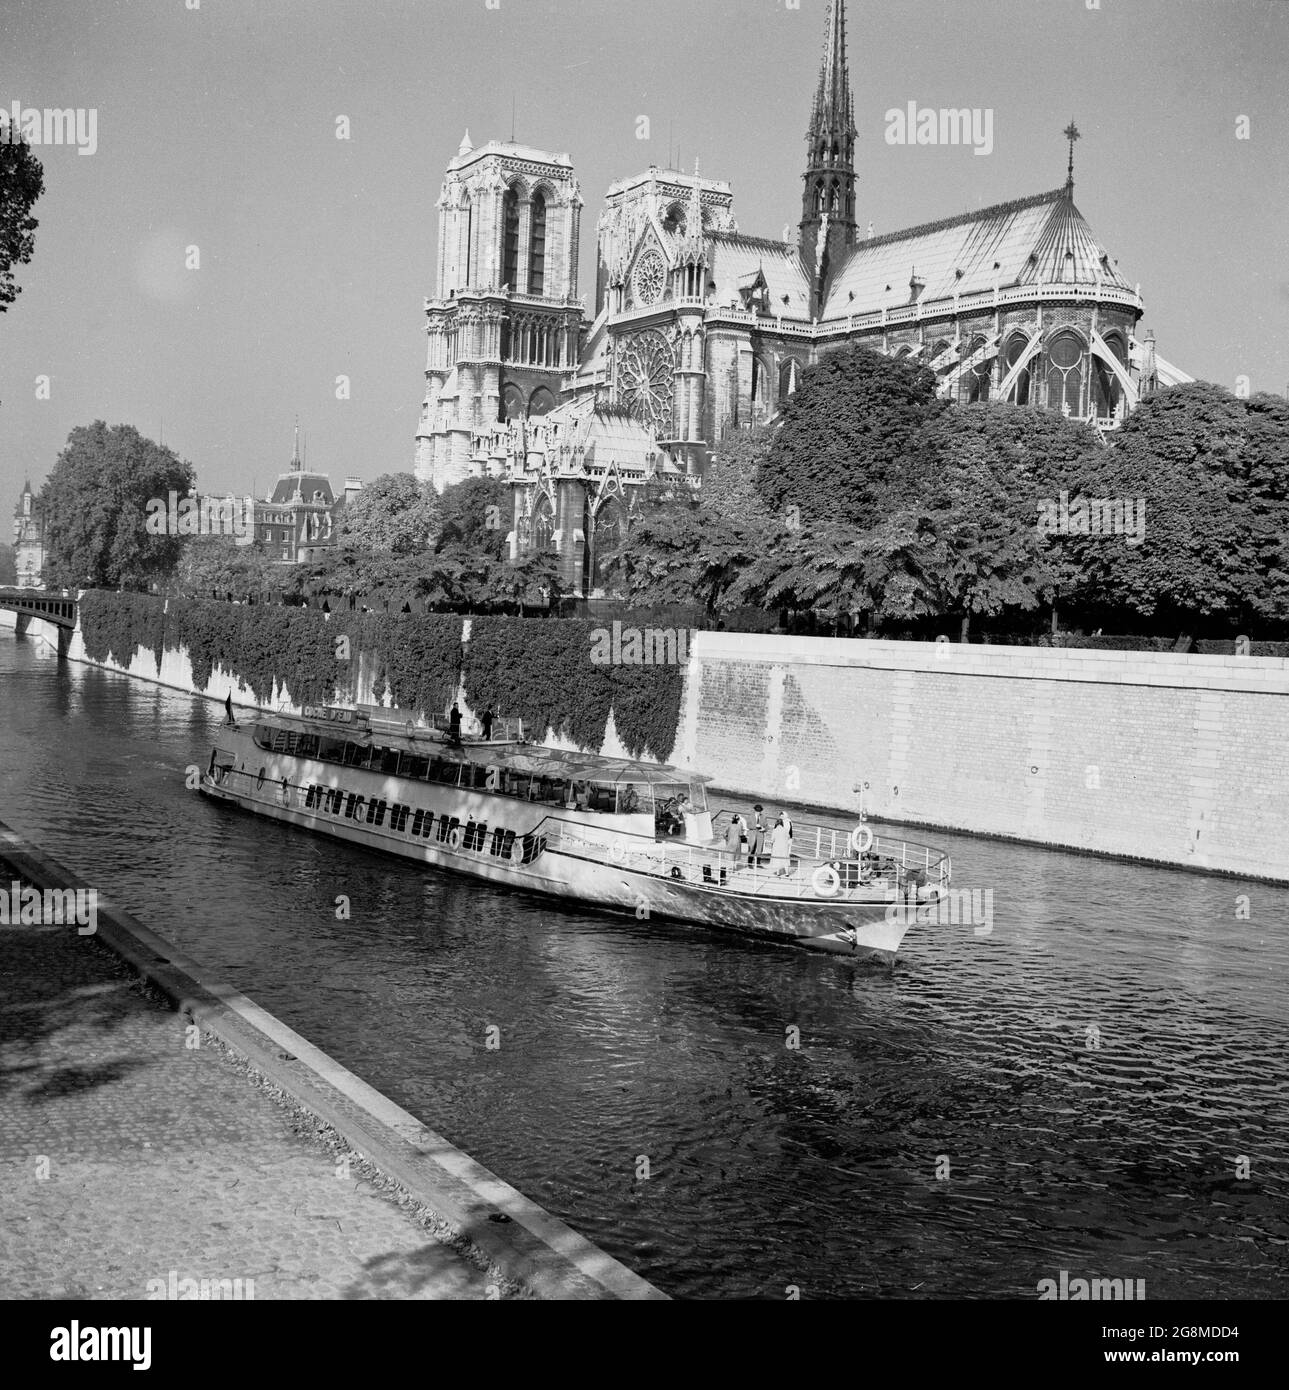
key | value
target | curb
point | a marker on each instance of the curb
(522, 1240)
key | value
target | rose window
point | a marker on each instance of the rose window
(645, 380)
(651, 276)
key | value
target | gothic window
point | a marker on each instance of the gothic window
(789, 378)
(537, 246)
(543, 525)
(1065, 374)
(973, 385)
(835, 201)
(674, 223)
(1105, 385)
(610, 532)
(762, 398)
(541, 402)
(469, 241)
(1015, 349)
(645, 383)
(820, 197)
(510, 251)
(512, 402)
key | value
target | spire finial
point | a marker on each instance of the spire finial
(834, 108)
(295, 452)
(1071, 133)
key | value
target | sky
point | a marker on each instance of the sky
(216, 125)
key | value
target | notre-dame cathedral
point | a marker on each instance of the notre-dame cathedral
(699, 329)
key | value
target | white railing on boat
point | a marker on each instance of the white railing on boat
(887, 868)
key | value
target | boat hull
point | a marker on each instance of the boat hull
(855, 930)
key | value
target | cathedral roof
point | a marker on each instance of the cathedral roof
(1043, 239)
(736, 259)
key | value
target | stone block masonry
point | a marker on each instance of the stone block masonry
(1183, 760)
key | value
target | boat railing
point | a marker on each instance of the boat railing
(893, 867)
(876, 854)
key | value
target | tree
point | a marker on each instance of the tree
(393, 515)
(991, 466)
(22, 181)
(96, 509)
(730, 483)
(850, 438)
(1209, 469)
(216, 564)
(475, 514)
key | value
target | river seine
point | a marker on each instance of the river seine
(1081, 1088)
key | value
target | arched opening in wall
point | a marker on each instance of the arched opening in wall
(834, 200)
(1015, 351)
(821, 198)
(937, 348)
(537, 246)
(609, 534)
(789, 378)
(510, 243)
(541, 402)
(764, 394)
(469, 241)
(512, 402)
(1105, 385)
(674, 222)
(1065, 374)
(543, 525)
(973, 385)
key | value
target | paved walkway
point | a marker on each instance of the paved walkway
(127, 1156)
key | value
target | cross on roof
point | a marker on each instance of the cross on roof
(1071, 133)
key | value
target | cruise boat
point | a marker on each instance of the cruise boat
(631, 836)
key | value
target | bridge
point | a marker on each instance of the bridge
(40, 603)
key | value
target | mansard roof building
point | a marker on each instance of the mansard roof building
(698, 329)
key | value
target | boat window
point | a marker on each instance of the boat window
(308, 746)
(389, 760)
(353, 754)
(632, 799)
(603, 797)
(331, 750)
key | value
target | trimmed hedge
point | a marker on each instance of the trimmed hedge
(537, 669)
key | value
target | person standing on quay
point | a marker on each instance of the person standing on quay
(454, 724)
(485, 723)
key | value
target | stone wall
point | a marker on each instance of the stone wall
(1180, 759)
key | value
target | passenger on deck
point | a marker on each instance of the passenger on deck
(736, 835)
(781, 849)
(756, 839)
(628, 800)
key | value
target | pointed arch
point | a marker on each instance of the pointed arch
(537, 242)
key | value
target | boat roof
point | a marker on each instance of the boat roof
(389, 728)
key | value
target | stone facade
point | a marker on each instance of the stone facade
(29, 539)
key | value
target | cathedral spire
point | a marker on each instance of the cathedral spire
(834, 109)
(1071, 133)
(828, 198)
(296, 465)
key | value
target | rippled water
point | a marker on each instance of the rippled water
(1085, 1077)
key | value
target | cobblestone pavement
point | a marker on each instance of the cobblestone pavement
(126, 1156)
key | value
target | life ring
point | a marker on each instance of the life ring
(259, 781)
(830, 877)
(455, 837)
(861, 839)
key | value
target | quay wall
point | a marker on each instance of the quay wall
(1181, 760)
